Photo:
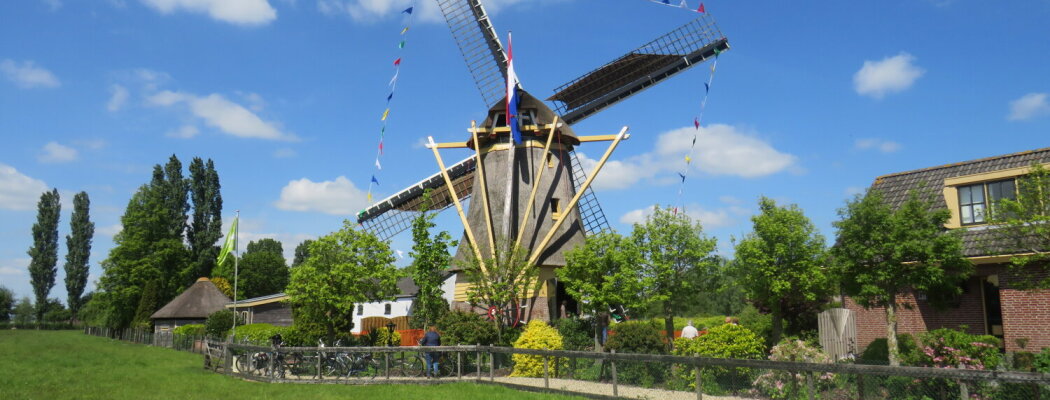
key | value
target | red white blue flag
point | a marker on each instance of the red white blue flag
(512, 94)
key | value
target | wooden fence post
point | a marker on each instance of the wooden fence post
(612, 363)
(699, 383)
(477, 362)
(546, 374)
(809, 386)
(386, 364)
(459, 365)
(492, 365)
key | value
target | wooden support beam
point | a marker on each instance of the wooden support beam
(576, 198)
(459, 207)
(484, 190)
(600, 138)
(583, 139)
(536, 183)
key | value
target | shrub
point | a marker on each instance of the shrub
(699, 323)
(576, 333)
(259, 334)
(781, 384)
(638, 337)
(949, 348)
(458, 327)
(878, 353)
(303, 334)
(219, 323)
(537, 335)
(385, 338)
(1042, 361)
(760, 324)
(190, 330)
(723, 341)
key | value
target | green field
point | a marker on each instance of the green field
(55, 365)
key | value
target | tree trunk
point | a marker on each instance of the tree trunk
(778, 324)
(600, 322)
(891, 332)
(669, 323)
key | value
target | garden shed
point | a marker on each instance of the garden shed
(193, 306)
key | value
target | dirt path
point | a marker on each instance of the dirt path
(605, 389)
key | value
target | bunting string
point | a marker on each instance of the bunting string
(683, 4)
(697, 122)
(402, 41)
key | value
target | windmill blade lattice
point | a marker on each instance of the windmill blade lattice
(682, 48)
(394, 214)
(591, 212)
(481, 48)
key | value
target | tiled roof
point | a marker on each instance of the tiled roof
(929, 183)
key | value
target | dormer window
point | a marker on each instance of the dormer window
(976, 200)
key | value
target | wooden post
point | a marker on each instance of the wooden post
(386, 364)
(546, 373)
(484, 188)
(809, 386)
(459, 365)
(612, 363)
(576, 198)
(860, 386)
(455, 199)
(477, 362)
(535, 182)
(492, 365)
(699, 385)
(319, 377)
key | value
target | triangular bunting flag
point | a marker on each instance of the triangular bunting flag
(390, 96)
(701, 9)
(688, 160)
(696, 123)
(683, 4)
(370, 197)
(397, 62)
(394, 79)
(404, 30)
(380, 146)
(374, 180)
(682, 176)
(407, 11)
(707, 87)
(401, 45)
(385, 113)
(378, 166)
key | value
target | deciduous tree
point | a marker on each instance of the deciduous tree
(604, 273)
(345, 267)
(7, 303)
(44, 253)
(430, 258)
(1022, 227)
(677, 261)
(883, 252)
(263, 269)
(78, 252)
(781, 262)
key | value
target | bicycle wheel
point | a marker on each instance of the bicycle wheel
(372, 368)
(413, 368)
(445, 368)
(244, 363)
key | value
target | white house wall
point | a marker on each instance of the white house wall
(398, 308)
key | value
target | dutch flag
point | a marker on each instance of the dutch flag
(512, 94)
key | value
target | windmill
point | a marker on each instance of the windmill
(534, 193)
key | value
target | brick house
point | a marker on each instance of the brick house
(990, 303)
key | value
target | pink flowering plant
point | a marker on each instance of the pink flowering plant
(949, 348)
(781, 384)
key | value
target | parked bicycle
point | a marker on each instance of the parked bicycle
(416, 366)
(348, 365)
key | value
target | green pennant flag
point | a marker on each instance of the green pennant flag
(231, 243)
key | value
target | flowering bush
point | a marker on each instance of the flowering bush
(778, 384)
(949, 348)
(538, 335)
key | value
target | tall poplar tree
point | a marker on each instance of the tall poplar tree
(78, 251)
(430, 258)
(205, 230)
(44, 253)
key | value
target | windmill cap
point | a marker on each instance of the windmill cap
(203, 279)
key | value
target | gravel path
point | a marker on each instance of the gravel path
(605, 389)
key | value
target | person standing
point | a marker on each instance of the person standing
(431, 338)
(689, 332)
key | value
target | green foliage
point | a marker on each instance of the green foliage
(55, 312)
(677, 261)
(538, 335)
(302, 252)
(501, 282)
(78, 251)
(459, 327)
(723, 341)
(386, 338)
(1042, 361)
(576, 333)
(603, 273)
(1024, 226)
(878, 352)
(259, 334)
(219, 323)
(44, 252)
(346, 267)
(755, 321)
(24, 312)
(304, 334)
(205, 229)
(7, 303)
(148, 304)
(781, 263)
(263, 270)
(638, 337)
(950, 348)
(782, 384)
(92, 313)
(700, 323)
(191, 330)
(430, 258)
(223, 285)
(882, 252)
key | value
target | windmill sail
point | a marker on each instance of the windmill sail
(682, 48)
(394, 214)
(480, 46)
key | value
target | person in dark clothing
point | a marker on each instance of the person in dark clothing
(431, 338)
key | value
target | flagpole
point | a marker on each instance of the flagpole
(236, 255)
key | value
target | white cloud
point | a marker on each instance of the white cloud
(15, 266)
(57, 153)
(709, 219)
(288, 241)
(184, 132)
(27, 75)
(111, 230)
(1029, 106)
(720, 150)
(238, 12)
(118, 97)
(92, 144)
(53, 5)
(894, 74)
(284, 153)
(17, 191)
(218, 112)
(338, 197)
(885, 146)
(370, 10)
(854, 190)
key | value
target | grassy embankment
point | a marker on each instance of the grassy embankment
(56, 365)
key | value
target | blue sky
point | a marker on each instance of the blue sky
(815, 99)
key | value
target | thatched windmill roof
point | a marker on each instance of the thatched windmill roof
(198, 302)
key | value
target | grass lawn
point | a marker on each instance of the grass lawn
(55, 365)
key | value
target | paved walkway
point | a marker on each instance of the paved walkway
(605, 389)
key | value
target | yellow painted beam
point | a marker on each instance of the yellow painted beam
(600, 138)
(484, 191)
(536, 183)
(455, 199)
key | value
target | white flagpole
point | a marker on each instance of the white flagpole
(236, 255)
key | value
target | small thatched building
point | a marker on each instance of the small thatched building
(193, 306)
